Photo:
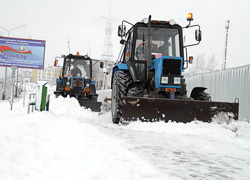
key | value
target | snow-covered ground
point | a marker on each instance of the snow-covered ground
(70, 142)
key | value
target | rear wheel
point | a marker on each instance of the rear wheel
(198, 93)
(120, 85)
(204, 96)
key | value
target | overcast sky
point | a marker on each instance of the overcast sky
(82, 22)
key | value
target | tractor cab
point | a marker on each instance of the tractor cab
(77, 66)
(155, 58)
(165, 42)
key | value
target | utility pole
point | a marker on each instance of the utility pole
(225, 54)
(12, 87)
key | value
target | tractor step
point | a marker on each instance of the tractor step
(179, 110)
(94, 106)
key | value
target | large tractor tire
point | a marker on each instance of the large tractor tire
(120, 85)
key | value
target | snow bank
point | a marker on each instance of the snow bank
(59, 145)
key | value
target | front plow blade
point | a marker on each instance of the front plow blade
(93, 105)
(179, 110)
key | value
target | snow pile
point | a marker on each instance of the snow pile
(59, 145)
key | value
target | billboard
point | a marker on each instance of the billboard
(22, 53)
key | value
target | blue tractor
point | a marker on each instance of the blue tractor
(148, 82)
(76, 81)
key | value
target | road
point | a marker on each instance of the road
(191, 151)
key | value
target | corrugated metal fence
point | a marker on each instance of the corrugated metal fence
(225, 86)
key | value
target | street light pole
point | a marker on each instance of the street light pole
(5, 78)
(225, 55)
(8, 30)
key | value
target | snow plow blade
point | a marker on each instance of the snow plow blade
(178, 110)
(94, 106)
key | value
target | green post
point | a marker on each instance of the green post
(44, 95)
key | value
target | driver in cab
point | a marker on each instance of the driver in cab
(76, 71)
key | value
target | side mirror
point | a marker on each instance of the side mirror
(101, 64)
(121, 30)
(198, 35)
(56, 62)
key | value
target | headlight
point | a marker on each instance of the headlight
(67, 83)
(164, 80)
(87, 85)
(177, 80)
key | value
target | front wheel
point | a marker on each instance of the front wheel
(120, 85)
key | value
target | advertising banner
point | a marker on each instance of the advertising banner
(22, 53)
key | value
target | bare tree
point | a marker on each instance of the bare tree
(200, 65)
(211, 64)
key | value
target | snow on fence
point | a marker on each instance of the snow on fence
(226, 85)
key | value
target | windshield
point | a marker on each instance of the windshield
(165, 42)
(78, 68)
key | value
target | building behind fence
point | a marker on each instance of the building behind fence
(226, 85)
